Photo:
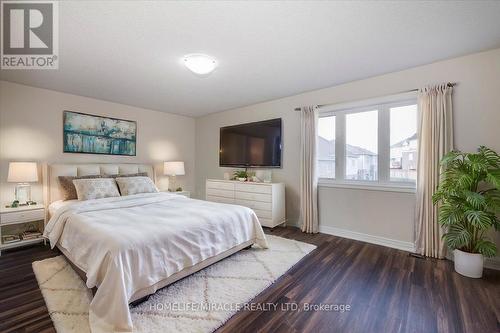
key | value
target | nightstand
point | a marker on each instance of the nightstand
(187, 194)
(14, 221)
(184, 193)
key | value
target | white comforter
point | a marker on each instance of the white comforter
(129, 243)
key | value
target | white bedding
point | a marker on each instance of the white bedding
(129, 243)
(53, 207)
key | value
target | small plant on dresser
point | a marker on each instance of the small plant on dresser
(240, 175)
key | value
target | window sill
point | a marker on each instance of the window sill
(370, 186)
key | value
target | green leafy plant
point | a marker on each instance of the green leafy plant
(469, 198)
(240, 174)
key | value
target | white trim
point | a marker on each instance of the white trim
(492, 263)
(393, 243)
(370, 186)
(384, 145)
(339, 146)
(411, 95)
(22, 242)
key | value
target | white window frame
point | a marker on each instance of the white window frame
(383, 105)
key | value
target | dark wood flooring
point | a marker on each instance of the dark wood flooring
(387, 291)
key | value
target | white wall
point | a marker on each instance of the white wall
(31, 130)
(382, 214)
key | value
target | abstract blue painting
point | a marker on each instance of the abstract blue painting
(85, 133)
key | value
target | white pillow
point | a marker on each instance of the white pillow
(135, 185)
(95, 188)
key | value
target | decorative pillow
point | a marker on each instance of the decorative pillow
(135, 185)
(67, 187)
(68, 190)
(96, 188)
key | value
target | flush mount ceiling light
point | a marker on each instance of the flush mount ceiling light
(200, 64)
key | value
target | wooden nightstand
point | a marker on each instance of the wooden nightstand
(14, 221)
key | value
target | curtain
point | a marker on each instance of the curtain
(435, 128)
(308, 173)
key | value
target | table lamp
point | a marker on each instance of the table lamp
(173, 169)
(23, 173)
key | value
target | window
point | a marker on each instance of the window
(326, 147)
(371, 142)
(361, 146)
(403, 163)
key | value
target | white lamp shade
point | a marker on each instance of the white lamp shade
(174, 168)
(22, 172)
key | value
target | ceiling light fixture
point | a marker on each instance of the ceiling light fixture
(200, 64)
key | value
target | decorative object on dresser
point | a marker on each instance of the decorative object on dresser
(90, 134)
(263, 175)
(21, 226)
(173, 169)
(266, 199)
(241, 175)
(23, 173)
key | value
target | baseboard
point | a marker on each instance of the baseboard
(393, 243)
(492, 263)
(292, 223)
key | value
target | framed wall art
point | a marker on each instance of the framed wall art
(91, 134)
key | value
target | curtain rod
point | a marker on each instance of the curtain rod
(449, 84)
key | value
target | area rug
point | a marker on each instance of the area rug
(201, 302)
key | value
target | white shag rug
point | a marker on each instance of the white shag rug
(201, 302)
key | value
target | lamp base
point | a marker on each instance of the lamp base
(23, 193)
(171, 184)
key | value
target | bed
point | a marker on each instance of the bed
(128, 247)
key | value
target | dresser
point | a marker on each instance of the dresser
(266, 199)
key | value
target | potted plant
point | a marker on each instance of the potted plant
(469, 198)
(241, 175)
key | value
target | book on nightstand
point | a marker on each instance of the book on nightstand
(6, 239)
(31, 235)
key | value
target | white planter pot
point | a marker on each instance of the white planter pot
(242, 179)
(468, 264)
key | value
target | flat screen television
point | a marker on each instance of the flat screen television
(251, 145)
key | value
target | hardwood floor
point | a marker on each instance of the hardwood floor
(387, 291)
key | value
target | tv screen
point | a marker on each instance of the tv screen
(251, 145)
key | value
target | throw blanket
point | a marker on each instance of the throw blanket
(129, 243)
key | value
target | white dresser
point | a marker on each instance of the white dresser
(266, 199)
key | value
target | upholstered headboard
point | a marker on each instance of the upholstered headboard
(52, 190)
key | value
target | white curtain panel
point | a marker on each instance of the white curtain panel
(308, 169)
(435, 128)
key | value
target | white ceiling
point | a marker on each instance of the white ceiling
(129, 52)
